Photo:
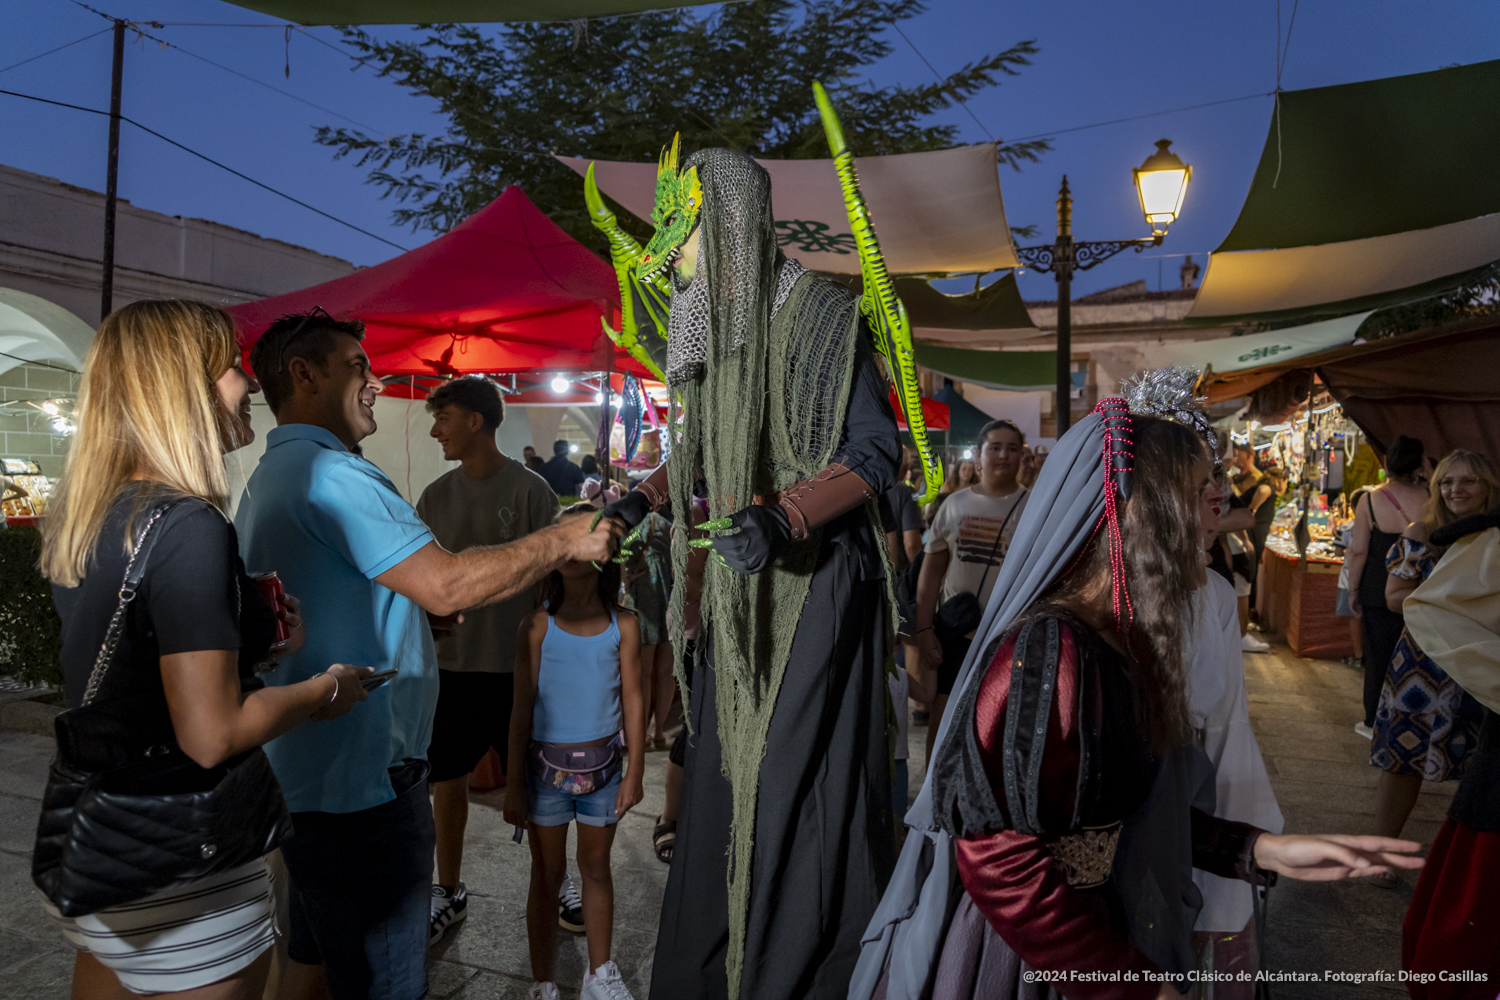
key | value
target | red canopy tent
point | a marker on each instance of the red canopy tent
(505, 290)
(933, 412)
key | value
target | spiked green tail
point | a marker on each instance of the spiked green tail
(882, 308)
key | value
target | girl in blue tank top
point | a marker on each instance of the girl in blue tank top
(578, 707)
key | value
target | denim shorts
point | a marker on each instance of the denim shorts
(549, 806)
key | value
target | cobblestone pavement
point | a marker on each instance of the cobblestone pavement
(1303, 712)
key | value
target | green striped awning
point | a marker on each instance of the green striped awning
(1021, 371)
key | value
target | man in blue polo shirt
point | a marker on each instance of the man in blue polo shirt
(365, 568)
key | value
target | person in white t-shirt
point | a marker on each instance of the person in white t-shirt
(965, 548)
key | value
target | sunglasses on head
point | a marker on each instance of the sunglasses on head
(281, 354)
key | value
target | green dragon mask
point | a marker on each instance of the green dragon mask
(679, 199)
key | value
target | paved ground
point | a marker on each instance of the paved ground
(1303, 712)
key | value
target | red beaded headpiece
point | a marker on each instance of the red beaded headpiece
(1119, 463)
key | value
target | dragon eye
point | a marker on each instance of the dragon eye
(672, 219)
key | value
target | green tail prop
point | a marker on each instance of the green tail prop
(881, 307)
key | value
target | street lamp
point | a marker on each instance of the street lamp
(1160, 183)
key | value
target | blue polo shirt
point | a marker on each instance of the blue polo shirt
(329, 522)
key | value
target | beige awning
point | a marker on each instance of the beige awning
(1246, 282)
(935, 213)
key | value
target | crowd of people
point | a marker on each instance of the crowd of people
(321, 674)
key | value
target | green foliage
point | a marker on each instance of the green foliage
(1478, 296)
(618, 88)
(30, 631)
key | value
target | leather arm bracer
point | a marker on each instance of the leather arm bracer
(814, 502)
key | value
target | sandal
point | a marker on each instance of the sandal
(664, 839)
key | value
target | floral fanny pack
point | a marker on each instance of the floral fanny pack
(576, 770)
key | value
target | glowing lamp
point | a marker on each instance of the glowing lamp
(559, 385)
(1161, 182)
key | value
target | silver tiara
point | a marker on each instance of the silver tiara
(1169, 393)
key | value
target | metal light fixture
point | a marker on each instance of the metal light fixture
(1161, 182)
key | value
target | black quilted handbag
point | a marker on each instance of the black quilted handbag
(113, 831)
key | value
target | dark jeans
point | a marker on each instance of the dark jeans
(361, 885)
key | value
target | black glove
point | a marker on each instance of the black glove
(758, 533)
(631, 508)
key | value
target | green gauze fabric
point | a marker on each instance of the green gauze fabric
(765, 411)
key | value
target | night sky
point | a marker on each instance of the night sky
(1100, 60)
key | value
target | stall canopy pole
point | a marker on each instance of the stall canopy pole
(112, 177)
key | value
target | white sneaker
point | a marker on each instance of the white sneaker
(1364, 730)
(604, 983)
(447, 910)
(570, 906)
(1252, 644)
(543, 991)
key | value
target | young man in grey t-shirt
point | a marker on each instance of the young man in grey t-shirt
(489, 500)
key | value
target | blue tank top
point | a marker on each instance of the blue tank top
(578, 686)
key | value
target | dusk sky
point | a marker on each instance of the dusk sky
(1100, 60)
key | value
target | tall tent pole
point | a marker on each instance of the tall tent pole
(111, 184)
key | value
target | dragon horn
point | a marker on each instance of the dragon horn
(591, 197)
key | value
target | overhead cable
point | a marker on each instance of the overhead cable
(69, 45)
(208, 159)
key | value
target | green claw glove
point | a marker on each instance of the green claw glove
(754, 536)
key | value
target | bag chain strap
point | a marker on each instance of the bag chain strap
(127, 594)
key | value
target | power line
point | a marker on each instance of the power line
(28, 361)
(962, 103)
(209, 159)
(1132, 118)
(74, 42)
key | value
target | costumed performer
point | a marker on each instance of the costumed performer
(1218, 710)
(1452, 925)
(783, 838)
(1070, 742)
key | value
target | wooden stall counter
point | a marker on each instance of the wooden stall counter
(1297, 599)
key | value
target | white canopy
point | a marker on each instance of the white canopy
(935, 213)
(1232, 354)
(33, 329)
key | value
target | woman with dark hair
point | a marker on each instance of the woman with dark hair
(1066, 771)
(1379, 518)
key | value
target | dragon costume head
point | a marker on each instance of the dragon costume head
(679, 201)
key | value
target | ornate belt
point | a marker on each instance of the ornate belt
(1085, 858)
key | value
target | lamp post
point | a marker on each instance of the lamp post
(1160, 182)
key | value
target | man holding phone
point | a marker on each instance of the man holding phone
(338, 532)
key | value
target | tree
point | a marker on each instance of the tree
(617, 88)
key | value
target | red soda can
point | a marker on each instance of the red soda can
(269, 585)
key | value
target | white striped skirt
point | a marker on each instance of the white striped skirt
(184, 937)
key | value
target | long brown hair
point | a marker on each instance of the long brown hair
(1436, 513)
(609, 576)
(1161, 541)
(147, 407)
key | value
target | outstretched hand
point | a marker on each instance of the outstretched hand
(747, 540)
(1331, 856)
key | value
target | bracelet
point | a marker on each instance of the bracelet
(335, 696)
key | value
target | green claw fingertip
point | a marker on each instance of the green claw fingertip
(595, 522)
(717, 525)
(701, 543)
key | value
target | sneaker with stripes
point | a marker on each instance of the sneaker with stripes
(449, 906)
(570, 912)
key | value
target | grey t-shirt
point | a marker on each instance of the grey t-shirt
(463, 513)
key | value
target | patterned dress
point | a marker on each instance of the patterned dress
(648, 594)
(1423, 727)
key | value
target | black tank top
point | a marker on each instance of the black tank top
(1372, 580)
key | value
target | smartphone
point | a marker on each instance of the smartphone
(376, 679)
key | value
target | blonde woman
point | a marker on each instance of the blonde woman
(163, 399)
(1426, 726)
